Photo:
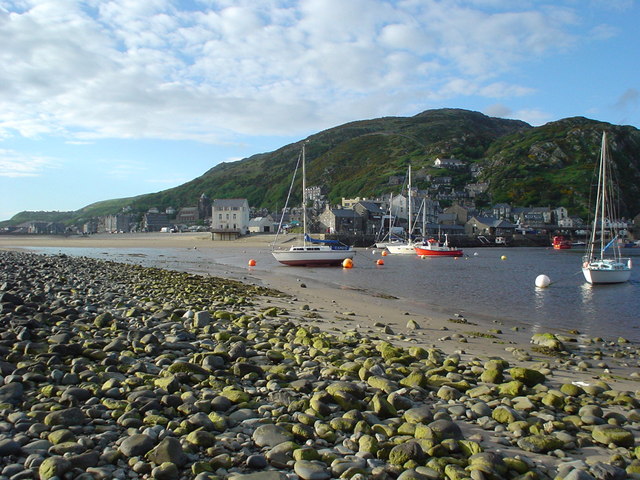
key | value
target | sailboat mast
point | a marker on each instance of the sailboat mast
(410, 202)
(602, 200)
(304, 197)
(424, 217)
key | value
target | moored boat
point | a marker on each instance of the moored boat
(406, 247)
(603, 262)
(561, 243)
(312, 251)
(435, 248)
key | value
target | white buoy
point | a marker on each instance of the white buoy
(542, 281)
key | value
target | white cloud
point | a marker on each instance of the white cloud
(15, 164)
(498, 110)
(156, 69)
(533, 116)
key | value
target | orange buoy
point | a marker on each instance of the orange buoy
(384, 253)
(347, 263)
(380, 262)
(252, 263)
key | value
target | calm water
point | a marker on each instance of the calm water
(478, 285)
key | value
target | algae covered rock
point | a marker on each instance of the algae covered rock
(547, 340)
(401, 454)
(527, 376)
(540, 443)
(612, 434)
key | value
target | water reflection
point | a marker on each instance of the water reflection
(586, 295)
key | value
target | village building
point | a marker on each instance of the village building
(475, 189)
(559, 214)
(453, 163)
(262, 225)
(570, 222)
(461, 213)
(204, 207)
(489, 226)
(372, 216)
(188, 215)
(340, 221)
(502, 210)
(154, 221)
(537, 217)
(116, 223)
(229, 218)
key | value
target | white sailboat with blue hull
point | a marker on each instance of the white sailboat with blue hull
(603, 262)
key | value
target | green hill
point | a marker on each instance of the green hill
(524, 165)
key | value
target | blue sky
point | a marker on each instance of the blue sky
(103, 99)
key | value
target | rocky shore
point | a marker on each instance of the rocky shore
(117, 371)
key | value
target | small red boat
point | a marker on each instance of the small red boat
(434, 248)
(561, 243)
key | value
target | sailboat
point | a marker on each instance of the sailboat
(312, 251)
(603, 262)
(405, 248)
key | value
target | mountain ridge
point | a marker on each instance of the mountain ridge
(523, 164)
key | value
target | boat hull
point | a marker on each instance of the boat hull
(310, 258)
(607, 271)
(404, 249)
(425, 252)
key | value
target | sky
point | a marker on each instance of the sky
(104, 99)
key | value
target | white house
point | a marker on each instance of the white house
(560, 213)
(262, 225)
(448, 163)
(230, 214)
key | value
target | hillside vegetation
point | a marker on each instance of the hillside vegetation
(551, 165)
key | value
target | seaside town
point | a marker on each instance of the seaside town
(463, 212)
(182, 299)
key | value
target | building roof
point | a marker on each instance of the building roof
(260, 221)
(371, 206)
(493, 222)
(184, 210)
(229, 202)
(344, 212)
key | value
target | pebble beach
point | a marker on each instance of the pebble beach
(119, 371)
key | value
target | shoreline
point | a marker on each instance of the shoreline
(445, 326)
(470, 345)
(369, 307)
(448, 328)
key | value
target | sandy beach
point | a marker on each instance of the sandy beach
(584, 362)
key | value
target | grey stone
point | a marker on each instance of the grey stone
(9, 447)
(68, 417)
(270, 435)
(168, 450)
(310, 470)
(11, 393)
(136, 445)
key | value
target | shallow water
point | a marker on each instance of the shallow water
(481, 284)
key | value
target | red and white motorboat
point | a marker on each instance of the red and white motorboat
(435, 248)
(561, 243)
